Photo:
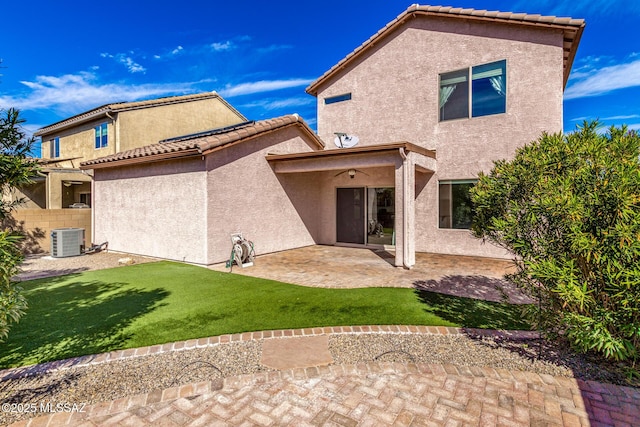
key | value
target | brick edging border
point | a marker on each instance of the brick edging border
(95, 359)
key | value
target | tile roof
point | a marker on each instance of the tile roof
(202, 143)
(572, 30)
(117, 107)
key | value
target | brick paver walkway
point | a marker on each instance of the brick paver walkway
(373, 394)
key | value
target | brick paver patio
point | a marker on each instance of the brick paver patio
(341, 267)
(372, 394)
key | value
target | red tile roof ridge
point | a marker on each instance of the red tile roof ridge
(202, 144)
(130, 105)
(568, 24)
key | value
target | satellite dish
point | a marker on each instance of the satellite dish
(342, 140)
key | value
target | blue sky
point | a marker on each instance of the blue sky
(62, 58)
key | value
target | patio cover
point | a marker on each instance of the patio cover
(406, 159)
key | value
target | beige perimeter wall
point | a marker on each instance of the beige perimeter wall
(38, 223)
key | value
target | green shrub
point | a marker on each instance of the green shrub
(568, 207)
(16, 169)
(12, 303)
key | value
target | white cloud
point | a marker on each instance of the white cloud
(74, 93)
(273, 48)
(227, 45)
(127, 61)
(262, 86)
(630, 116)
(275, 104)
(170, 53)
(604, 80)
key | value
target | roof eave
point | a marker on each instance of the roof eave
(88, 116)
(572, 54)
(366, 149)
(299, 122)
(204, 147)
(104, 110)
(176, 155)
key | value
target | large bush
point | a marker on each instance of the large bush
(568, 207)
(16, 169)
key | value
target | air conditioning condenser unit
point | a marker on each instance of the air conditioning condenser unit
(67, 242)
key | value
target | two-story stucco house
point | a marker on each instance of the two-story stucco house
(110, 129)
(405, 123)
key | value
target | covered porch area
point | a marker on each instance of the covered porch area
(364, 196)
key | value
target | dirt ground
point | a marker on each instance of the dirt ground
(36, 267)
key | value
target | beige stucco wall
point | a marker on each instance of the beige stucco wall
(33, 196)
(61, 196)
(78, 143)
(395, 98)
(156, 209)
(140, 127)
(275, 211)
(136, 128)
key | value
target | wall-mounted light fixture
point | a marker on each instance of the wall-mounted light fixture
(352, 173)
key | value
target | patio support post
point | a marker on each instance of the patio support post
(405, 209)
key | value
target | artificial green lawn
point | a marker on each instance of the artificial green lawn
(155, 303)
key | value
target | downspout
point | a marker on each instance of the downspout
(405, 218)
(47, 198)
(93, 212)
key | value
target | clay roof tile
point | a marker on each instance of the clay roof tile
(203, 142)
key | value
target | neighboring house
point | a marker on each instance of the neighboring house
(110, 129)
(418, 110)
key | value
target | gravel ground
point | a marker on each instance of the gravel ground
(113, 380)
(36, 267)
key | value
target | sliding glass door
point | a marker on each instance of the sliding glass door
(380, 216)
(365, 217)
(350, 215)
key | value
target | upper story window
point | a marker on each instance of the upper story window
(102, 138)
(54, 148)
(455, 207)
(338, 98)
(481, 90)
